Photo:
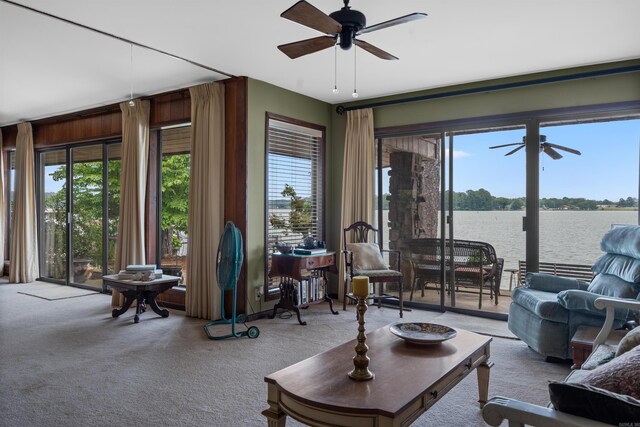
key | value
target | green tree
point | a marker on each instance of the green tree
(299, 216)
(175, 207)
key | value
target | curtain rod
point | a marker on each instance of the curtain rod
(113, 36)
(340, 109)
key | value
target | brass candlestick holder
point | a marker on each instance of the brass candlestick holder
(361, 371)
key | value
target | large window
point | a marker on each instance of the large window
(295, 181)
(12, 187)
(175, 166)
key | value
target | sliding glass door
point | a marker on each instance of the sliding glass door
(87, 212)
(53, 215)
(78, 206)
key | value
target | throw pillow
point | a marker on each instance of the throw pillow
(594, 403)
(630, 340)
(612, 286)
(624, 267)
(621, 375)
(367, 256)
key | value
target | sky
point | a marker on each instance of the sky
(607, 168)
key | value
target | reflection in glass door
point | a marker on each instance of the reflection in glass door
(486, 173)
(53, 199)
(407, 205)
(87, 214)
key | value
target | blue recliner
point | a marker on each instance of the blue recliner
(548, 310)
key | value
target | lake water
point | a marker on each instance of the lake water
(565, 236)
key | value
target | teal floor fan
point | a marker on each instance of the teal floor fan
(228, 266)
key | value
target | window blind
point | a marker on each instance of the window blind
(295, 202)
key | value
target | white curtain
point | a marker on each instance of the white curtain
(206, 200)
(3, 207)
(24, 238)
(357, 176)
(130, 244)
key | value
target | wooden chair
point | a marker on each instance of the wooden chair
(379, 275)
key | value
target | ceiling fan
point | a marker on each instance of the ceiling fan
(341, 27)
(545, 146)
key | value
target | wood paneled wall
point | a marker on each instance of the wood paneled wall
(166, 109)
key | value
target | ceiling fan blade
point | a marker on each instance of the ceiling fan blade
(392, 22)
(312, 17)
(373, 50)
(514, 150)
(552, 153)
(560, 147)
(507, 145)
(304, 47)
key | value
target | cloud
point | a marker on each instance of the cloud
(456, 154)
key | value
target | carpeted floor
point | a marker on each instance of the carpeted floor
(67, 362)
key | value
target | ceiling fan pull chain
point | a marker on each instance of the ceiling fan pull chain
(355, 92)
(335, 68)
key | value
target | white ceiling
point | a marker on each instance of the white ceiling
(48, 67)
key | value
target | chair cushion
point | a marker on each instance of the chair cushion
(630, 340)
(621, 375)
(544, 304)
(622, 240)
(594, 403)
(622, 266)
(613, 286)
(366, 256)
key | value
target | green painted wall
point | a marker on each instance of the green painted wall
(263, 98)
(573, 93)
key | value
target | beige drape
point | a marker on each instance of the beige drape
(24, 238)
(357, 176)
(206, 200)
(130, 244)
(3, 207)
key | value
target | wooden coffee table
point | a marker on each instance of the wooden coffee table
(409, 379)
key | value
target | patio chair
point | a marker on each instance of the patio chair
(362, 258)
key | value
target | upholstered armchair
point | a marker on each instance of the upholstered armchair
(546, 312)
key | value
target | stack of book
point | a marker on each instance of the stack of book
(140, 273)
(309, 251)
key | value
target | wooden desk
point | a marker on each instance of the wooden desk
(143, 292)
(409, 379)
(292, 269)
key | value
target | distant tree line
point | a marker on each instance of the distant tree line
(482, 200)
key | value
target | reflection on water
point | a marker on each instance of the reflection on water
(565, 236)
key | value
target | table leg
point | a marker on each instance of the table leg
(483, 371)
(275, 416)
(150, 298)
(129, 297)
(328, 299)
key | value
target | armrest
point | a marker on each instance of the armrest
(520, 413)
(397, 253)
(551, 283)
(574, 299)
(610, 304)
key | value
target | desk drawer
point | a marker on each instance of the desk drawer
(318, 261)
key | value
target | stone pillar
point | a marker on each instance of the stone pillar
(413, 202)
